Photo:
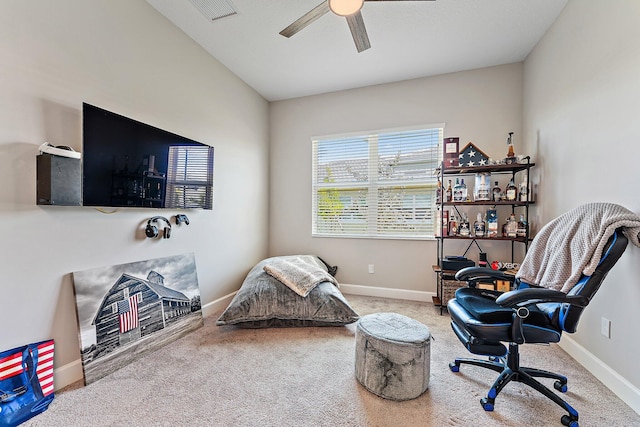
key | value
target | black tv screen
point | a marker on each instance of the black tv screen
(126, 163)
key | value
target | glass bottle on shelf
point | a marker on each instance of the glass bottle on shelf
(453, 225)
(521, 230)
(523, 190)
(463, 187)
(511, 192)
(449, 193)
(511, 226)
(482, 187)
(439, 192)
(511, 155)
(457, 191)
(492, 223)
(479, 227)
(463, 229)
(496, 193)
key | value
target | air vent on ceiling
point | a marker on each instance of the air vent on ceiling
(214, 9)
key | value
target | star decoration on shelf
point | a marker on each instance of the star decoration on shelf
(471, 156)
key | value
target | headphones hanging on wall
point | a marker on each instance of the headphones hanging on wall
(152, 230)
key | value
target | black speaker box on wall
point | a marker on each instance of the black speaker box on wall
(59, 181)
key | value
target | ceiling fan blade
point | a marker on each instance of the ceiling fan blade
(306, 19)
(358, 31)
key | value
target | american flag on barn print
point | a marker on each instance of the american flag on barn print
(128, 313)
(471, 156)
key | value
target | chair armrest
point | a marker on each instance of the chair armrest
(481, 273)
(528, 296)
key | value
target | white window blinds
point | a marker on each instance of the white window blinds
(376, 185)
(190, 177)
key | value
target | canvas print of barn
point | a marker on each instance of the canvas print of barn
(126, 311)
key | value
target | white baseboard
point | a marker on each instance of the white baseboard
(72, 372)
(67, 374)
(371, 291)
(217, 305)
(622, 388)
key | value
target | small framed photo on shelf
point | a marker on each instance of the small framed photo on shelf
(451, 154)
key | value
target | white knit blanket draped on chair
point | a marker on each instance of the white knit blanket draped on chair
(572, 244)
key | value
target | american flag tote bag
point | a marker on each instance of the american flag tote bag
(26, 382)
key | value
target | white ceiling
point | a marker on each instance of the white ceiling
(409, 39)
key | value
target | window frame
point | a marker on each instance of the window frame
(372, 186)
(188, 188)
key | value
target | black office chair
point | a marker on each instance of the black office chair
(483, 320)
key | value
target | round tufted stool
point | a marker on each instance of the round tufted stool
(393, 355)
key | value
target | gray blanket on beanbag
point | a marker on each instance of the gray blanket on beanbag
(300, 273)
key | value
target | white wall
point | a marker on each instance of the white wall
(582, 103)
(481, 106)
(124, 56)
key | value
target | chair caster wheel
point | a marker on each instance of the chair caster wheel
(566, 420)
(454, 367)
(486, 405)
(560, 386)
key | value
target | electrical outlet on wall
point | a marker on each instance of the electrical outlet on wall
(371, 269)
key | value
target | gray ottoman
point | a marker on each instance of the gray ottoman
(393, 355)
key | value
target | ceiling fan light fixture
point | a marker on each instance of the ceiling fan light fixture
(345, 7)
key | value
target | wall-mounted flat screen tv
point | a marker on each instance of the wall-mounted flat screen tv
(126, 163)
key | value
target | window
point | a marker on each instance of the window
(190, 177)
(380, 185)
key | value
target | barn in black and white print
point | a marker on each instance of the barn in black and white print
(128, 310)
(134, 308)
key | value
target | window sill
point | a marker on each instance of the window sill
(359, 236)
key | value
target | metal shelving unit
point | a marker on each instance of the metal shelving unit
(509, 169)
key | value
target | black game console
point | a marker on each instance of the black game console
(456, 263)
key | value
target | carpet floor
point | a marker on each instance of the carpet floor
(226, 376)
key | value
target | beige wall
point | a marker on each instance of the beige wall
(481, 106)
(582, 100)
(126, 57)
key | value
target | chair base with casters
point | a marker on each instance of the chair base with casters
(484, 320)
(510, 370)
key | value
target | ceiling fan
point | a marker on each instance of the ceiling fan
(350, 9)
